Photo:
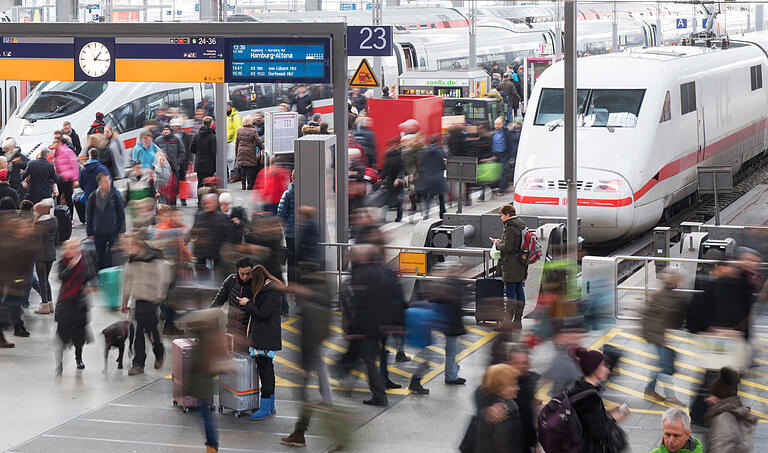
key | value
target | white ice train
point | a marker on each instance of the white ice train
(647, 119)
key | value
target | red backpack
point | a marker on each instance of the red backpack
(530, 247)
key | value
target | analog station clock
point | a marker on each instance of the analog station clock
(94, 59)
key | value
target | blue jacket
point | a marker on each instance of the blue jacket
(145, 155)
(285, 210)
(88, 174)
(107, 222)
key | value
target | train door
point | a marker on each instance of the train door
(10, 96)
(700, 126)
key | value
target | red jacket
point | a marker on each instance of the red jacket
(271, 183)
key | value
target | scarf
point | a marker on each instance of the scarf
(73, 277)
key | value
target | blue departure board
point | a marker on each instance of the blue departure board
(279, 60)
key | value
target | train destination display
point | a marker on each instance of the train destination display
(302, 60)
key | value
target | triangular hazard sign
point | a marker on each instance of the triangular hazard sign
(364, 77)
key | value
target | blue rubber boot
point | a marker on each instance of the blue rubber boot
(272, 406)
(265, 408)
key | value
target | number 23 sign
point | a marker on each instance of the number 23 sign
(369, 41)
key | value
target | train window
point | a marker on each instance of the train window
(122, 118)
(551, 105)
(187, 102)
(208, 90)
(666, 110)
(756, 76)
(58, 99)
(1, 108)
(616, 108)
(13, 99)
(687, 97)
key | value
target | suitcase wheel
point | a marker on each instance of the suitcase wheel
(237, 414)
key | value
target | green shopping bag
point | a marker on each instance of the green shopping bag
(111, 286)
(488, 172)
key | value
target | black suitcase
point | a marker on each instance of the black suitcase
(699, 404)
(64, 221)
(80, 208)
(489, 300)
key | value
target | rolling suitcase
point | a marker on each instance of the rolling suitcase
(239, 391)
(64, 223)
(111, 286)
(181, 352)
(489, 300)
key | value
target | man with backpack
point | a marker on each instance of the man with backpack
(514, 265)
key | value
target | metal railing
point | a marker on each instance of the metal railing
(340, 264)
(645, 288)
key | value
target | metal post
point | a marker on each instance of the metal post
(339, 80)
(615, 27)
(472, 34)
(460, 204)
(220, 106)
(108, 8)
(717, 206)
(759, 25)
(377, 11)
(312, 5)
(694, 18)
(558, 44)
(207, 10)
(659, 36)
(66, 11)
(569, 117)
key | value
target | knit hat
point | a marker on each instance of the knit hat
(4, 175)
(589, 360)
(726, 385)
(99, 116)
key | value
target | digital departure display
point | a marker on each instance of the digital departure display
(285, 60)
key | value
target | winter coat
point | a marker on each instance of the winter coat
(15, 170)
(107, 222)
(564, 370)
(457, 142)
(42, 176)
(174, 150)
(665, 311)
(265, 309)
(88, 175)
(510, 91)
(724, 302)
(503, 437)
(71, 305)
(271, 183)
(97, 127)
(248, 147)
(364, 136)
(525, 396)
(204, 148)
(693, 445)
(106, 158)
(393, 168)
(139, 188)
(65, 163)
(447, 304)
(237, 318)
(274, 262)
(7, 191)
(315, 309)
(46, 229)
(303, 104)
(78, 148)
(309, 129)
(431, 181)
(593, 417)
(211, 229)
(118, 157)
(377, 299)
(308, 249)
(144, 155)
(286, 211)
(731, 427)
(234, 122)
(512, 270)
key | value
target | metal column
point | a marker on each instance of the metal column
(558, 44)
(377, 11)
(340, 115)
(569, 117)
(759, 25)
(66, 10)
(615, 27)
(472, 34)
(312, 5)
(659, 35)
(219, 14)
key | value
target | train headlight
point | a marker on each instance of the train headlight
(29, 129)
(534, 184)
(611, 185)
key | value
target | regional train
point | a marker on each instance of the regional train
(647, 119)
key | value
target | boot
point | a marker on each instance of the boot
(265, 409)
(412, 198)
(388, 384)
(43, 310)
(242, 184)
(416, 387)
(20, 331)
(209, 449)
(401, 357)
(272, 406)
(517, 319)
(4, 344)
(296, 439)
(51, 307)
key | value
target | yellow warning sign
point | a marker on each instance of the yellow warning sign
(413, 263)
(364, 76)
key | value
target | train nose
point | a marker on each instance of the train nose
(605, 203)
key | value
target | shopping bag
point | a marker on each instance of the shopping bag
(495, 253)
(724, 349)
(188, 187)
(488, 172)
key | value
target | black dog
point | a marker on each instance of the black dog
(115, 336)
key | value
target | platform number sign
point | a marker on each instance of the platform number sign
(681, 23)
(369, 41)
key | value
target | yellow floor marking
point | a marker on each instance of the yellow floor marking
(415, 358)
(292, 329)
(678, 350)
(635, 393)
(170, 376)
(337, 329)
(465, 342)
(487, 336)
(289, 321)
(336, 348)
(760, 361)
(684, 340)
(655, 357)
(477, 331)
(437, 349)
(283, 382)
(605, 338)
(290, 345)
(640, 377)
(439, 334)
(684, 377)
(297, 367)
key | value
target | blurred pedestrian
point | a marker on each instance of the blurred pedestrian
(68, 171)
(204, 148)
(75, 271)
(731, 424)
(6, 190)
(599, 427)
(287, 215)
(666, 310)
(500, 387)
(175, 155)
(364, 135)
(119, 156)
(248, 152)
(513, 272)
(66, 128)
(144, 151)
(210, 230)
(447, 297)
(145, 285)
(234, 122)
(105, 219)
(42, 178)
(394, 179)
(139, 186)
(45, 228)
(19, 250)
(265, 231)
(519, 358)
(100, 143)
(164, 179)
(431, 182)
(271, 183)
(88, 173)
(237, 216)
(676, 433)
(564, 368)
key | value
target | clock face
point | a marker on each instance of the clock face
(95, 59)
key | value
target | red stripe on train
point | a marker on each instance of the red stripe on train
(590, 202)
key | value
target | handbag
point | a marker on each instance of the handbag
(488, 172)
(469, 441)
(617, 438)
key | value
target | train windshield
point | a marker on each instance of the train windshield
(551, 105)
(57, 99)
(613, 108)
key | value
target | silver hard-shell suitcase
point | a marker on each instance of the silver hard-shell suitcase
(239, 391)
